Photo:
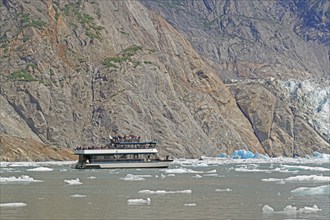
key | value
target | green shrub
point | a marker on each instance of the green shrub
(21, 75)
(131, 51)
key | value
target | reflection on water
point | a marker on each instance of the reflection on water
(188, 189)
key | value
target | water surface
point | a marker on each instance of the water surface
(189, 189)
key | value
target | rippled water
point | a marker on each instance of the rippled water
(188, 189)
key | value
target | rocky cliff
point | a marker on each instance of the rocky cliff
(73, 72)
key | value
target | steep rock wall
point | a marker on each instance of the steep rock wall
(76, 72)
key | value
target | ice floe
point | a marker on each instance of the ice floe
(223, 190)
(316, 158)
(290, 210)
(20, 179)
(307, 179)
(9, 170)
(36, 164)
(162, 192)
(73, 181)
(78, 196)
(319, 190)
(181, 170)
(40, 169)
(132, 177)
(190, 204)
(12, 205)
(197, 176)
(298, 168)
(300, 179)
(139, 201)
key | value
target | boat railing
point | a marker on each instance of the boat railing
(121, 145)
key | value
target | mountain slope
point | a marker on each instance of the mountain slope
(86, 73)
(73, 72)
(255, 39)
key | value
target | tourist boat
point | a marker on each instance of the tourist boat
(121, 154)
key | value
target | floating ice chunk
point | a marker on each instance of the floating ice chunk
(271, 180)
(161, 192)
(20, 179)
(41, 169)
(73, 181)
(190, 204)
(131, 177)
(261, 156)
(91, 177)
(242, 169)
(290, 210)
(267, 209)
(139, 201)
(211, 174)
(242, 154)
(315, 208)
(319, 155)
(290, 168)
(171, 174)
(223, 155)
(197, 176)
(182, 170)
(78, 196)
(281, 182)
(162, 176)
(223, 190)
(12, 205)
(212, 171)
(312, 190)
(308, 179)
(300, 179)
(9, 170)
(200, 165)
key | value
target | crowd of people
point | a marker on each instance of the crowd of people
(120, 139)
(125, 138)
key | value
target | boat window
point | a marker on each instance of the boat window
(109, 157)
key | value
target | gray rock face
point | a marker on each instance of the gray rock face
(73, 72)
(289, 117)
(91, 73)
(255, 39)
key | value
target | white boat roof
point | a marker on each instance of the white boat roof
(117, 151)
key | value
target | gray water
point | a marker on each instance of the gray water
(191, 189)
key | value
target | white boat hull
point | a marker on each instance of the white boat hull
(127, 165)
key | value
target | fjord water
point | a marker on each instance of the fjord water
(189, 189)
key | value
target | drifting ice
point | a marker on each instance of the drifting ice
(243, 154)
(290, 210)
(139, 201)
(13, 205)
(73, 181)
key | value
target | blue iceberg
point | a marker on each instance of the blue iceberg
(223, 155)
(319, 155)
(242, 154)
